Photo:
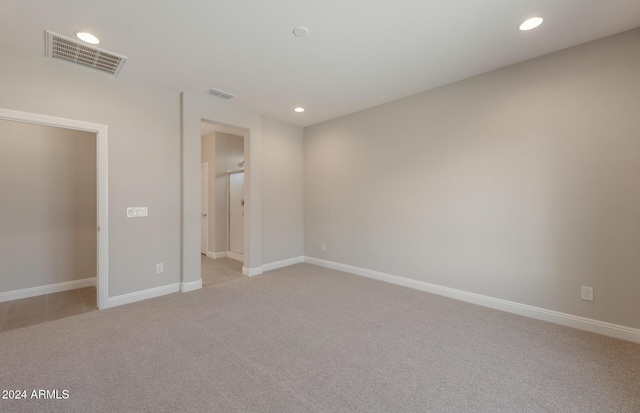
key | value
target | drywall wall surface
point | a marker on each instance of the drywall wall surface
(520, 184)
(144, 156)
(48, 219)
(282, 191)
(229, 154)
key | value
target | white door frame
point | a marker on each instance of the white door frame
(205, 201)
(230, 253)
(102, 284)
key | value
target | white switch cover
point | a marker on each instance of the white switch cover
(137, 212)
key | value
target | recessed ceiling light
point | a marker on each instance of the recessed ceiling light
(531, 23)
(299, 110)
(87, 37)
(300, 31)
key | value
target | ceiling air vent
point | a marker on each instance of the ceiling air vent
(221, 94)
(72, 51)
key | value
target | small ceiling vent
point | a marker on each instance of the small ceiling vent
(221, 94)
(72, 51)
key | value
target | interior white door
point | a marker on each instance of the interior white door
(204, 210)
(236, 212)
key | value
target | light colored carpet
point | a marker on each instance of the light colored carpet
(309, 339)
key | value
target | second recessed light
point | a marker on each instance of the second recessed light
(87, 37)
(299, 110)
(531, 23)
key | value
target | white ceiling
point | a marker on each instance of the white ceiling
(359, 53)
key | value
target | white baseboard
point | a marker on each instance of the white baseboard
(191, 286)
(283, 263)
(47, 289)
(143, 295)
(216, 255)
(235, 256)
(251, 271)
(556, 317)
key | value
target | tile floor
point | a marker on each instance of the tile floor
(220, 270)
(43, 308)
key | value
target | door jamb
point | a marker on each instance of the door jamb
(206, 201)
(229, 173)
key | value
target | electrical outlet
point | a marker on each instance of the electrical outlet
(159, 268)
(324, 247)
(587, 293)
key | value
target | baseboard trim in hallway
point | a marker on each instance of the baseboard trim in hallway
(556, 317)
(235, 256)
(47, 289)
(216, 255)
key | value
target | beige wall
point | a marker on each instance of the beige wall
(520, 184)
(282, 185)
(144, 156)
(48, 219)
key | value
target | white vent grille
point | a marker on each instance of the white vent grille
(221, 94)
(72, 51)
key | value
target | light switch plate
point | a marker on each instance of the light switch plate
(137, 212)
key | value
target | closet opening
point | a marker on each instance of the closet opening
(53, 249)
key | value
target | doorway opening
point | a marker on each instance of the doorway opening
(222, 203)
(57, 234)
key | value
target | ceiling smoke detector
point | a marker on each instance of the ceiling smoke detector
(221, 94)
(73, 51)
(300, 31)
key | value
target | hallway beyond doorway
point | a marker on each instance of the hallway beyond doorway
(220, 270)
